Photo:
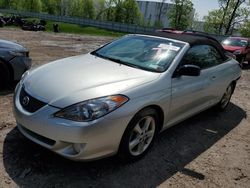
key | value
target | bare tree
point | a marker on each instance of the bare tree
(225, 10)
(237, 5)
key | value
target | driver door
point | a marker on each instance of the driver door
(191, 94)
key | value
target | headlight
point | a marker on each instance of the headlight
(92, 109)
(237, 52)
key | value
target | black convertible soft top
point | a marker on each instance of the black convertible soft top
(193, 39)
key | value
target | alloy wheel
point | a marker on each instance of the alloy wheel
(226, 97)
(142, 135)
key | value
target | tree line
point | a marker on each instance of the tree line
(125, 11)
(232, 15)
(109, 10)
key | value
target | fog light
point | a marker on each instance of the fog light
(78, 147)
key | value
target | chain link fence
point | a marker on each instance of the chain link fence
(115, 26)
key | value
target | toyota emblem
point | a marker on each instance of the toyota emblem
(25, 100)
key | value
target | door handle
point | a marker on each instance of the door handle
(213, 77)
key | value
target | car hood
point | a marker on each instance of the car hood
(75, 79)
(11, 45)
(232, 48)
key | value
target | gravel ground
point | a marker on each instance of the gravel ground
(209, 150)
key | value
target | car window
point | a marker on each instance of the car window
(235, 42)
(204, 56)
(143, 52)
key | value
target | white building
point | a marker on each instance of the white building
(155, 11)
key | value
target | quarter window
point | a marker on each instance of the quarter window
(204, 56)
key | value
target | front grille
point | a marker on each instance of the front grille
(30, 103)
(38, 137)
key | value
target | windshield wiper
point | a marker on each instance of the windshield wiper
(122, 62)
(106, 57)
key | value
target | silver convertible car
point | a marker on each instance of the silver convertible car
(116, 99)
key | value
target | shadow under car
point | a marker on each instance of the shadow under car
(30, 165)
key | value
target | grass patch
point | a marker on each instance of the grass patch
(77, 29)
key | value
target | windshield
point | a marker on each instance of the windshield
(235, 42)
(148, 53)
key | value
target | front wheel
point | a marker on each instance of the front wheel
(139, 135)
(226, 98)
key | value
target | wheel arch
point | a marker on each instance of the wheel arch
(121, 150)
(158, 110)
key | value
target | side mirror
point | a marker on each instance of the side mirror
(189, 70)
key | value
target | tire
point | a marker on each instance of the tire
(4, 76)
(242, 60)
(139, 136)
(222, 105)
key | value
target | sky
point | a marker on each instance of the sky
(203, 6)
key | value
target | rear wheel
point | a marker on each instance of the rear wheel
(139, 135)
(4, 76)
(226, 98)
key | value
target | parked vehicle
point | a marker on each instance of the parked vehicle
(239, 46)
(29, 26)
(12, 20)
(116, 99)
(14, 61)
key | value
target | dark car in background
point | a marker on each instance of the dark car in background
(14, 61)
(239, 46)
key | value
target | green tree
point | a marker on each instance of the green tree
(51, 6)
(100, 10)
(235, 6)
(180, 16)
(76, 8)
(31, 5)
(125, 11)
(82, 8)
(119, 15)
(88, 9)
(213, 22)
(10, 4)
(131, 11)
(230, 15)
(109, 11)
(64, 6)
(245, 29)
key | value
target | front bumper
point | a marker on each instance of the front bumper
(73, 140)
(20, 65)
